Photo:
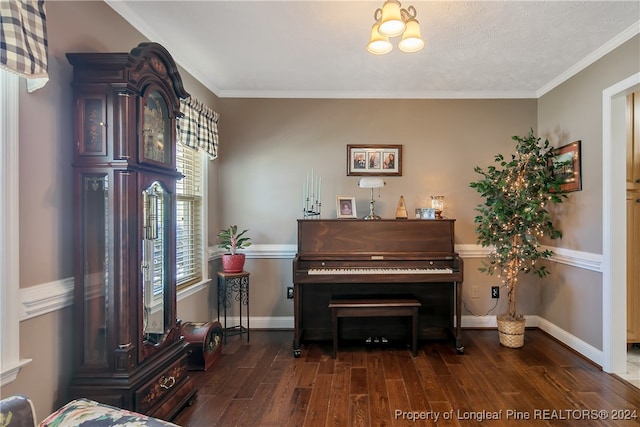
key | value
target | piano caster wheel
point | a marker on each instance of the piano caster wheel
(460, 350)
(296, 353)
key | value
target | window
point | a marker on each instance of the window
(189, 216)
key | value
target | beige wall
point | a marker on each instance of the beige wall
(573, 111)
(46, 196)
(268, 146)
(48, 341)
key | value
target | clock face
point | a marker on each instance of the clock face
(156, 129)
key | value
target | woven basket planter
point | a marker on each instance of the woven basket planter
(511, 332)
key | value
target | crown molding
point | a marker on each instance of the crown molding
(590, 59)
(141, 25)
(377, 95)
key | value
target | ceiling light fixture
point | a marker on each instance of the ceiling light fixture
(391, 21)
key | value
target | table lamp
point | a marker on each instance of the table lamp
(371, 182)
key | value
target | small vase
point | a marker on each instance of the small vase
(233, 263)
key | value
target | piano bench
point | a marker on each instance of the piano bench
(374, 307)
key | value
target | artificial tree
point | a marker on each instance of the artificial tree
(514, 216)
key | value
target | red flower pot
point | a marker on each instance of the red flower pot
(233, 263)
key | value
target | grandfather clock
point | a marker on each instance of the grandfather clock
(129, 351)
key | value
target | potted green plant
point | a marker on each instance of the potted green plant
(513, 219)
(231, 240)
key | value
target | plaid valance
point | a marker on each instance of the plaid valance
(23, 40)
(198, 128)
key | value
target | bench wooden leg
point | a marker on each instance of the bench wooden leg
(334, 330)
(415, 331)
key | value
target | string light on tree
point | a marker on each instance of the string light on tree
(514, 216)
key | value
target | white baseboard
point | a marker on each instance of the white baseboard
(585, 349)
(489, 321)
(286, 322)
(41, 299)
(468, 322)
(260, 322)
(571, 341)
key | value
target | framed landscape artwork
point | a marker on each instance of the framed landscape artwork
(570, 170)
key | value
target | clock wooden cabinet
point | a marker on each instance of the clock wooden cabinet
(129, 351)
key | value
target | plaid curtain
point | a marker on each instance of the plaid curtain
(23, 40)
(198, 127)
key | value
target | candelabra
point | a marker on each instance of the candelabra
(312, 209)
(311, 199)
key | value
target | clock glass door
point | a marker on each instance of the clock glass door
(95, 219)
(154, 265)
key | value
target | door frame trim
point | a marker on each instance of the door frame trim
(614, 248)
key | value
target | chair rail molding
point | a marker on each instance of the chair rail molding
(580, 259)
(44, 298)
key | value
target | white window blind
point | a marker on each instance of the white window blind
(189, 216)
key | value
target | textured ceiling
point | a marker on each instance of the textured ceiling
(316, 49)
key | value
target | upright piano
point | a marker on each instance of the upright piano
(355, 257)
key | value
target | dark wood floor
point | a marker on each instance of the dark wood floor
(262, 384)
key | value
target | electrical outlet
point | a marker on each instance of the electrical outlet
(290, 292)
(495, 292)
(474, 292)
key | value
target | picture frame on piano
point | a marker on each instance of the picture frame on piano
(374, 160)
(346, 206)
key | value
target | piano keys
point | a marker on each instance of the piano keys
(374, 258)
(323, 271)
